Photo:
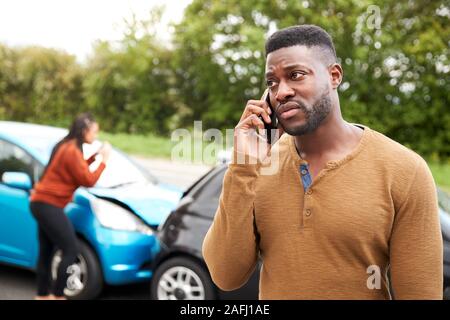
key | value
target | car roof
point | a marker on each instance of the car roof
(32, 137)
(23, 129)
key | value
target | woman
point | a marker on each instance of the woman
(66, 171)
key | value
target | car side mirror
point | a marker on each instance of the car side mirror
(19, 180)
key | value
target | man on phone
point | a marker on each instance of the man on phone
(347, 205)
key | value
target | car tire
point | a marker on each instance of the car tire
(86, 270)
(200, 283)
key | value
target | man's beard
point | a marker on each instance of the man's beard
(313, 117)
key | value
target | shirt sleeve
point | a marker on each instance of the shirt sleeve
(230, 247)
(416, 252)
(91, 159)
(78, 168)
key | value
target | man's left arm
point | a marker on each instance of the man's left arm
(416, 252)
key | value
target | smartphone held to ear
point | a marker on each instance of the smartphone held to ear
(270, 128)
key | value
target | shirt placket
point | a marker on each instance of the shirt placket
(307, 204)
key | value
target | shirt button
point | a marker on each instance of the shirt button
(304, 172)
(308, 212)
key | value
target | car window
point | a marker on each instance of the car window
(14, 158)
(191, 190)
(208, 196)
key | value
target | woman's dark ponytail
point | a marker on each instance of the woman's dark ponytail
(76, 131)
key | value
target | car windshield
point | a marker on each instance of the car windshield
(119, 171)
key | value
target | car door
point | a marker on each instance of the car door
(18, 229)
(205, 204)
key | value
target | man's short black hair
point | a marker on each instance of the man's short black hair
(306, 35)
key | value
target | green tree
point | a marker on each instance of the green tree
(394, 55)
(129, 84)
(39, 84)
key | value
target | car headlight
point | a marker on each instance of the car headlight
(115, 217)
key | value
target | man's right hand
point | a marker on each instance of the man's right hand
(249, 134)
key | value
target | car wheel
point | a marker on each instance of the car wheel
(182, 278)
(85, 281)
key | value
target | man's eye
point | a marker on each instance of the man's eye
(297, 75)
(270, 83)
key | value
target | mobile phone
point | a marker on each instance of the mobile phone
(270, 128)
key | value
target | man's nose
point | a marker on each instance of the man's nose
(284, 92)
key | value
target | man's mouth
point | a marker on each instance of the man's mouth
(288, 110)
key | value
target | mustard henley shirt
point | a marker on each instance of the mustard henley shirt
(374, 210)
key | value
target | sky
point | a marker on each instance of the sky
(73, 25)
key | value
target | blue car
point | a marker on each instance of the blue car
(115, 221)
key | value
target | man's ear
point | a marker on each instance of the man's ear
(336, 74)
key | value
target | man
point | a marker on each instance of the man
(346, 206)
